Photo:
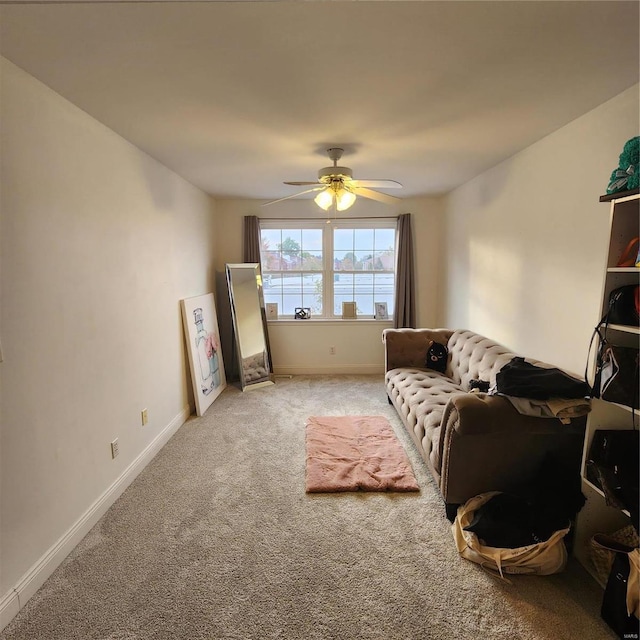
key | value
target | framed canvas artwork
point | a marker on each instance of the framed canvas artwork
(203, 346)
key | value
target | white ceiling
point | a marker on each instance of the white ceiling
(237, 97)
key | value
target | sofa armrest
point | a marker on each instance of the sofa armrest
(408, 347)
(486, 445)
(480, 413)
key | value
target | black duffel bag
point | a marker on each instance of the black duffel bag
(522, 379)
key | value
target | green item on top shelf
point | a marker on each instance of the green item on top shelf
(627, 175)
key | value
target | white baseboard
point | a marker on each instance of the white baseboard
(336, 369)
(9, 607)
(16, 598)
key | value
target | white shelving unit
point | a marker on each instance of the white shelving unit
(596, 516)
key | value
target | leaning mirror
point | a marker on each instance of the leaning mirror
(249, 325)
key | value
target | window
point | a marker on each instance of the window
(318, 265)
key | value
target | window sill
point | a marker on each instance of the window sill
(285, 321)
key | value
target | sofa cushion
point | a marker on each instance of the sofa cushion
(420, 395)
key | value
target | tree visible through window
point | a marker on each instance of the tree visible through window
(315, 265)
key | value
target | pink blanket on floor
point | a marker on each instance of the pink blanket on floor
(356, 453)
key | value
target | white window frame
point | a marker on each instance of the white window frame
(327, 252)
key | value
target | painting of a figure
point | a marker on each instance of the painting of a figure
(203, 346)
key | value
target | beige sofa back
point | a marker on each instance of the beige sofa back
(471, 357)
(474, 357)
(408, 347)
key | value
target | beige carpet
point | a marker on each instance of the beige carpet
(355, 453)
(218, 539)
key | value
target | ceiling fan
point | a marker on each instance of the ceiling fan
(336, 185)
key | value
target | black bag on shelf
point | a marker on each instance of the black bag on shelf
(618, 374)
(624, 306)
(612, 465)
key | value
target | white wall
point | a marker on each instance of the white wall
(526, 241)
(99, 244)
(303, 346)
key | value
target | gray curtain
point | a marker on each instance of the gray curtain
(404, 314)
(251, 239)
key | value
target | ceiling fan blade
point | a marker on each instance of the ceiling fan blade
(299, 184)
(375, 195)
(380, 184)
(295, 195)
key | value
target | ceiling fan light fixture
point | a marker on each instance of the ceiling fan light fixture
(324, 199)
(344, 199)
(335, 186)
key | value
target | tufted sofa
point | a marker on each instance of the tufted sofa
(471, 442)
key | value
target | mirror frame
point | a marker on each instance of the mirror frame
(256, 270)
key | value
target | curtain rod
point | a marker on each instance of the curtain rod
(341, 219)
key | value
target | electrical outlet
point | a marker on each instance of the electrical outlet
(145, 417)
(115, 448)
(332, 351)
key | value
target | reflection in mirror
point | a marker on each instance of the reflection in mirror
(249, 325)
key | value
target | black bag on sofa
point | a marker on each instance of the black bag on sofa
(521, 379)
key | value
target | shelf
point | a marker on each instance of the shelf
(597, 516)
(624, 407)
(599, 491)
(624, 328)
(620, 195)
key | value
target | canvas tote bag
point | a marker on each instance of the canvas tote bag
(543, 558)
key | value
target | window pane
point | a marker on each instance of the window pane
(365, 305)
(290, 249)
(291, 282)
(271, 261)
(312, 292)
(343, 240)
(342, 291)
(312, 261)
(289, 304)
(272, 296)
(271, 286)
(364, 283)
(312, 240)
(363, 239)
(383, 261)
(372, 251)
(384, 284)
(270, 239)
(345, 261)
(364, 260)
(293, 235)
(291, 290)
(385, 239)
